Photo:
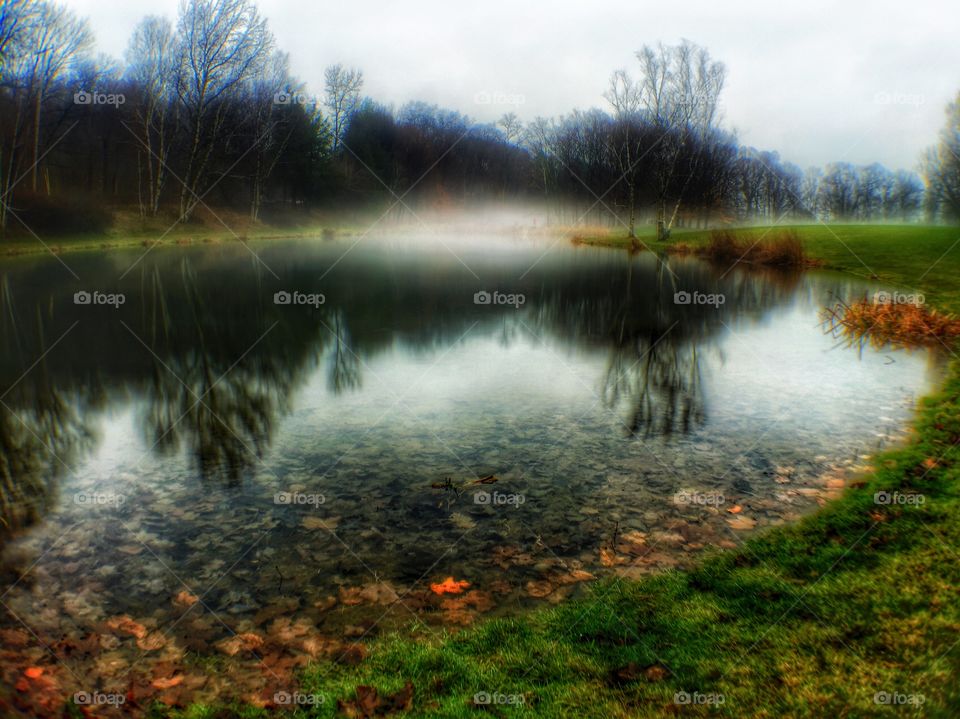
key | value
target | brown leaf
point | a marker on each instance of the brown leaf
(246, 642)
(127, 625)
(655, 673)
(368, 702)
(185, 600)
(168, 682)
(539, 588)
(152, 642)
(741, 522)
(607, 557)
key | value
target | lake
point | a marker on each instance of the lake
(288, 449)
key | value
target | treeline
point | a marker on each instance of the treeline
(203, 111)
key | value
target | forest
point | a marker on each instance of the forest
(204, 112)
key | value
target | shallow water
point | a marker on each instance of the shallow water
(206, 462)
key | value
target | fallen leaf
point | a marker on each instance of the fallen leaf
(185, 600)
(152, 642)
(449, 586)
(539, 588)
(246, 642)
(489, 479)
(655, 673)
(741, 523)
(369, 703)
(33, 672)
(127, 625)
(167, 683)
(607, 557)
(735, 509)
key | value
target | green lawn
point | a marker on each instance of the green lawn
(920, 257)
(810, 620)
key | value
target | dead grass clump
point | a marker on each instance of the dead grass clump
(784, 249)
(898, 325)
(680, 248)
(581, 233)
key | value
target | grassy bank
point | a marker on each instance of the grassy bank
(852, 612)
(908, 256)
(127, 229)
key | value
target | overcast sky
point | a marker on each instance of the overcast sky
(817, 82)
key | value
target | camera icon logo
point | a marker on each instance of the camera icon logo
(881, 498)
(482, 298)
(282, 298)
(282, 98)
(681, 698)
(681, 298)
(82, 98)
(82, 297)
(481, 497)
(481, 698)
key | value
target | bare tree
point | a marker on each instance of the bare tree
(511, 126)
(14, 18)
(267, 129)
(55, 40)
(680, 90)
(941, 168)
(342, 88)
(626, 142)
(223, 44)
(151, 62)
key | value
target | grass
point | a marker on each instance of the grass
(890, 323)
(820, 618)
(916, 257)
(129, 230)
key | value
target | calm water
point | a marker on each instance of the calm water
(298, 468)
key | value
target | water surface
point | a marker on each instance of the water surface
(208, 463)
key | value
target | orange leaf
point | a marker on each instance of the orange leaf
(33, 672)
(450, 586)
(735, 509)
(167, 683)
